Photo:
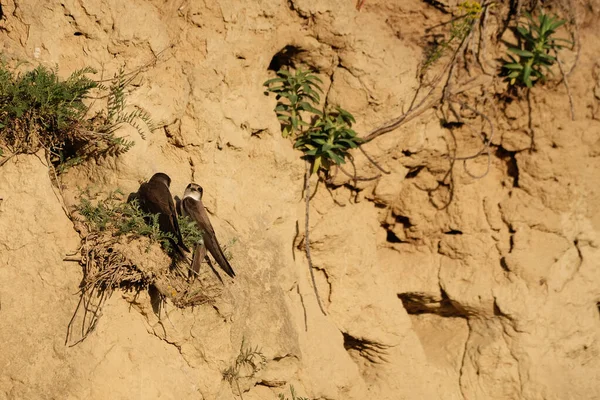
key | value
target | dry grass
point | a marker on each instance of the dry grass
(132, 264)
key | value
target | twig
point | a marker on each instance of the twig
(482, 42)
(566, 82)
(419, 108)
(2, 162)
(306, 240)
(237, 383)
(60, 196)
(485, 148)
(373, 161)
(358, 178)
(303, 308)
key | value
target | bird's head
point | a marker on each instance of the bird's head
(194, 191)
(161, 177)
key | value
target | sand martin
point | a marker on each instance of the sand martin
(192, 206)
(155, 198)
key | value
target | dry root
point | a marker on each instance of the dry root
(111, 263)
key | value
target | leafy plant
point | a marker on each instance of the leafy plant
(226, 249)
(293, 393)
(190, 233)
(301, 92)
(39, 110)
(323, 136)
(535, 45)
(329, 139)
(249, 360)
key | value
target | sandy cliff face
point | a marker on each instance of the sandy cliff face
(493, 297)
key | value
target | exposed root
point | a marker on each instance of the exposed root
(566, 83)
(110, 263)
(306, 239)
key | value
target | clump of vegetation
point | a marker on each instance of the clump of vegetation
(38, 110)
(293, 393)
(460, 28)
(536, 43)
(248, 362)
(324, 136)
(119, 218)
(112, 230)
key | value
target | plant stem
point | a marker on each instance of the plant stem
(306, 241)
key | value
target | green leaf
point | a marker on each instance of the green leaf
(316, 165)
(272, 81)
(307, 107)
(338, 160)
(524, 32)
(547, 57)
(314, 78)
(555, 25)
(513, 66)
(522, 53)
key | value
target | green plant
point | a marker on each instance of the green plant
(301, 92)
(329, 139)
(112, 215)
(460, 28)
(249, 360)
(293, 393)
(226, 251)
(39, 110)
(323, 136)
(190, 233)
(535, 45)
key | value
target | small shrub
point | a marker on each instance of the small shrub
(460, 28)
(112, 256)
(328, 140)
(112, 215)
(248, 362)
(535, 45)
(323, 136)
(39, 110)
(300, 91)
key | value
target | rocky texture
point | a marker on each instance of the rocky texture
(494, 297)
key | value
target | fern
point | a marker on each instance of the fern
(190, 233)
(39, 110)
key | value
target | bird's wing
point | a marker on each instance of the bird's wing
(156, 199)
(198, 213)
(199, 255)
(173, 216)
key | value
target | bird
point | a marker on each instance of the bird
(155, 198)
(193, 207)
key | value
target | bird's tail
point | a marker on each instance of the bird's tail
(224, 263)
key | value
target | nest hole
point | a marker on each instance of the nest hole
(286, 57)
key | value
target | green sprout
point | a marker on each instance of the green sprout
(534, 51)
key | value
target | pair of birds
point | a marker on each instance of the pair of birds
(155, 198)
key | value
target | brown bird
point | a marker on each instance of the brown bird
(192, 206)
(155, 198)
